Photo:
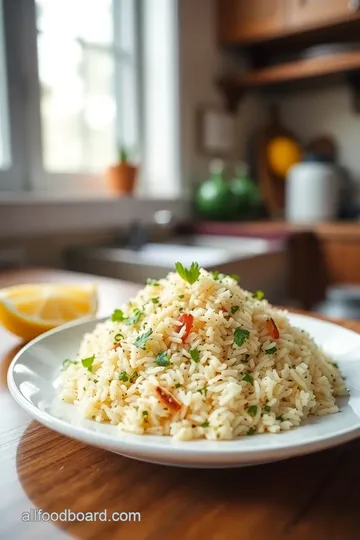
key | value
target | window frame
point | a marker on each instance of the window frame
(27, 171)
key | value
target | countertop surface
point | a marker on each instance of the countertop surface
(313, 497)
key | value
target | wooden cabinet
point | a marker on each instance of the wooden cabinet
(306, 14)
(246, 20)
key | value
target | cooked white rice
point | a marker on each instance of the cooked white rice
(122, 383)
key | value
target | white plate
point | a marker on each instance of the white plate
(32, 382)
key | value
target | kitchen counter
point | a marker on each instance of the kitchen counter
(313, 496)
(320, 254)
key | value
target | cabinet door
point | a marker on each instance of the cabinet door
(310, 13)
(246, 20)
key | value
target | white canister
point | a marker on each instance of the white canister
(312, 192)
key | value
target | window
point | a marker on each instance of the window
(70, 73)
(84, 63)
(4, 125)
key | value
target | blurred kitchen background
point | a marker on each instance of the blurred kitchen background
(134, 133)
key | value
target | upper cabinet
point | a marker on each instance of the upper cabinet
(305, 14)
(246, 20)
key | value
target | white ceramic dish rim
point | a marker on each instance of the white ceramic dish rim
(164, 449)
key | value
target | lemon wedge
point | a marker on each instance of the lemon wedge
(30, 310)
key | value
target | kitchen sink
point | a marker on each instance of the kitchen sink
(261, 264)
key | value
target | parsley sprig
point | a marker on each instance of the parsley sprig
(191, 274)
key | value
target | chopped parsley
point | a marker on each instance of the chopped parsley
(142, 339)
(258, 295)
(248, 378)
(251, 431)
(195, 355)
(234, 309)
(271, 351)
(155, 300)
(240, 336)
(252, 410)
(280, 417)
(95, 381)
(218, 276)
(123, 376)
(152, 283)
(134, 376)
(162, 360)
(203, 391)
(191, 274)
(205, 424)
(67, 362)
(177, 385)
(135, 317)
(117, 337)
(118, 316)
(181, 296)
(267, 408)
(84, 388)
(88, 362)
(145, 414)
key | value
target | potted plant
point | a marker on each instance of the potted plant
(121, 177)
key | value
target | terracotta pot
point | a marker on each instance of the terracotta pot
(121, 178)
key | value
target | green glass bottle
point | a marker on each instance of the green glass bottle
(214, 198)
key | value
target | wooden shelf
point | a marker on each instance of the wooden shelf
(283, 74)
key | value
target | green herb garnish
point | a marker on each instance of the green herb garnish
(162, 360)
(135, 317)
(240, 336)
(270, 351)
(190, 275)
(123, 376)
(84, 388)
(134, 376)
(267, 408)
(280, 417)
(88, 362)
(177, 385)
(252, 410)
(155, 300)
(218, 276)
(95, 381)
(145, 414)
(181, 296)
(117, 337)
(259, 295)
(195, 355)
(248, 378)
(142, 339)
(203, 391)
(234, 309)
(205, 424)
(251, 431)
(118, 316)
(67, 362)
(152, 282)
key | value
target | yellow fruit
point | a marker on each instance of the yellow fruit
(30, 310)
(283, 153)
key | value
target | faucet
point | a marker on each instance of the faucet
(137, 234)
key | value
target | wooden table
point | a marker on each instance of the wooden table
(314, 497)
